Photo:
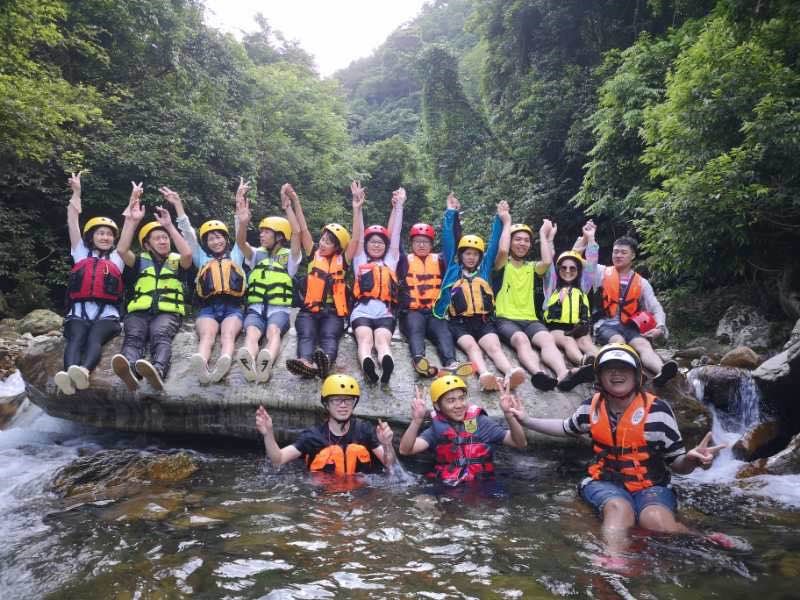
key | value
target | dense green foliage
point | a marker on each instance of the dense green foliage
(675, 120)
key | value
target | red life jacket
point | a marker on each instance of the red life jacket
(622, 455)
(95, 279)
(460, 458)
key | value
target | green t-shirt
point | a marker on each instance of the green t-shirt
(514, 300)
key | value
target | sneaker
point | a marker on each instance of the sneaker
(64, 383)
(263, 365)
(79, 376)
(424, 368)
(668, 371)
(200, 367)
(245, 360)
(543, 381)
(387, 366)
(516, 377)
(146, 369)
(295, 366)
(488, 382)
(462, 369)
(122, 369)
(221, 368)
(323, 363)
(369, 369)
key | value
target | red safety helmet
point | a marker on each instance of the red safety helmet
(376, 230)
(422, 229)
(644, 320)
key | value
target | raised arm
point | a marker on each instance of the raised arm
(589, 271)
(74, 210)
(133, 216)
(185, 227)
(385, 452)
(243, 217)
(411, 443)
(516, 435)
(547, 235)
(396, 223)
(357, 239)
(165, 220)
(449, 239)
(306, 241)
(277, 455)
(487, 262)
(296, 244)
(504, 243)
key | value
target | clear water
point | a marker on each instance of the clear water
(239, 529)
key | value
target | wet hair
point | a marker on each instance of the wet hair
(629, 242)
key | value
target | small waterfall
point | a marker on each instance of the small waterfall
(742, 406)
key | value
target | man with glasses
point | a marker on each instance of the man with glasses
(342, 445)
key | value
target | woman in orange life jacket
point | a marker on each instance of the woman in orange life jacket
(155, 312)
(269, 298)
(461, 434)
(375, 291)
(322, 293)
(94, 291)
(566, 302)
(467, 295)
(220, 284)
(342, 445)
(636, 444)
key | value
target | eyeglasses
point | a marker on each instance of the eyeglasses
(422, 242)
(566, 268)
(376, 241)
(342, 400)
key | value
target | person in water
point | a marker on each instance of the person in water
(636, 444)
(269, 288)
(94, 293)
(343, 444)
(157, 307)
(627, 297)
(461, 435)
(220, 285)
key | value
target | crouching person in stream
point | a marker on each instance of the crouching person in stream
(343, 444)
(636, 444)
(461, 434)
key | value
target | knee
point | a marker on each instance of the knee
(618, 511)
(659, 519)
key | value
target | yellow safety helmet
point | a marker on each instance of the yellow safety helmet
(212, 225)
(95, 222)
(472, 241)
(147, 229)
(619, 353)
(339, 232)
(339, 384)
(570, 254)
(444, 384)
(517, 227)
(278, 225)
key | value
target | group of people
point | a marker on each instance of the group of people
(471, 295)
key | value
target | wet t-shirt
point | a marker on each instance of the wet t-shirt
(312, 442)
(488, 432)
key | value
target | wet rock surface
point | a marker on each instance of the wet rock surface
(741, 357)
(743, 325)
(759, 441)
(39, 322)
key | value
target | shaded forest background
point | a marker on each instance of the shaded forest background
(677, 121)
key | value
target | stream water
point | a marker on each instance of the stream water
(240, 529)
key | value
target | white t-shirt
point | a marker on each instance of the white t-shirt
(88, 309)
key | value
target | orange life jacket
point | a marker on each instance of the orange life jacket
(341, 461)
(622, 455)
(375, 281)
(326, 277)
(423, 281)
(220, 277)
(471, 296)
(626, 306)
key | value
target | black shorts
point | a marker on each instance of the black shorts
(560, 327)
(506, 328)
(477, 327)
(385, 323)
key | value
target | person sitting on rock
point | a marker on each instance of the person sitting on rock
(322, 292)
(220, 285)
(420, 276)
(467, 297)
(567, 309)
(157, 307)
(517, 318)
(627, 297)
(343, 444)
(269, 287)
(636, 444)
(94, 293)
(375, 290)
(461, 436)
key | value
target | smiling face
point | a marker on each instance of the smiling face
(158, 241)
(340, 407)
(328, 244)
(470, 258)
(617, 378)
(103, 238)
(568, 270)
(217, 242)
(376, 246)
(421, 245)
(453, 404)
(622, 257)
(520, 244)
(266, 237)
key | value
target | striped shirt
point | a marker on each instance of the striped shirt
(660, 429)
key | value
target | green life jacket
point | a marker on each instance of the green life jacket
(269, 281)
(514, 299)
(573, 309)
(158, 290)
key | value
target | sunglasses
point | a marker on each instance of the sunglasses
(568, 269)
